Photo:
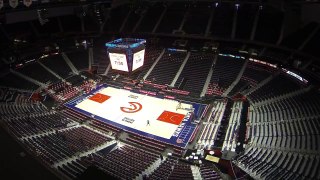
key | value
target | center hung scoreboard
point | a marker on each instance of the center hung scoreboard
(126, 54)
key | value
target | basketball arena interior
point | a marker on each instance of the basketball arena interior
(151, 89)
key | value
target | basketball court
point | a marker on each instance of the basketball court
(162, 119)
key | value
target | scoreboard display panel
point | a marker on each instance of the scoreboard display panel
(118, 61)
(126, 54)
(138, 59)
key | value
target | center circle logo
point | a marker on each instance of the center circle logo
(134, 107)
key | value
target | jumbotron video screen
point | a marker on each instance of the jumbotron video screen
(118, 62)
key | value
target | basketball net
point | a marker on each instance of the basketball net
(178, 106)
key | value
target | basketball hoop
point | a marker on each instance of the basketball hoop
(178, 106)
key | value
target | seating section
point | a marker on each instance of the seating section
(271, 163)
(75, 80)
(100, 56)
(151, 54)
(181, 171)
(240, 86)
(172, 168)
(272, 90)
(164, 170)
(283, 122)
(167, 67)
(63, 91)
(67, 93)
(103, 126)
(207, 172)
(125, 162)
(58, 65)
(10, 95)
(147, 143)
(214, 89)
(13, 109)
(37, 123)
(64, 144)
(195, 72)
(75, 168)
(14, 81)
(284, 139)
(34, 69)
(231, 138)
(211, 130)
(296, 107)
(58, 87)
(132, 20)
(298, 128)
(225, 72)
(70, 113)
(80, 59)
(256, 73)
(253, 75)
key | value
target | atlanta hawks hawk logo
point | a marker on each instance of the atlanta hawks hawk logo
(134, 107)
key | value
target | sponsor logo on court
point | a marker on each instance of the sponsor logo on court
(187, 117)
(178, 130)
(179, 141)
(134, 107)
(133, 96)
(128, 120)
